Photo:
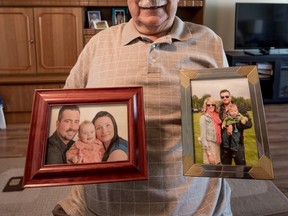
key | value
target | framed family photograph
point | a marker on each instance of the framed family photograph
(119, 15)
(85, 136)
(93, 18)
(223, 124)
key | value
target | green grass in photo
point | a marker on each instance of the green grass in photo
(251, 153)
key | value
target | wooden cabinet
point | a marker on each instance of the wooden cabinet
(18, 99)
(17, 54)
(59, 38)
(39, 40)
(39, 46)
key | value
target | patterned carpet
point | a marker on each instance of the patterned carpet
(30, 201)
(14, 140)
(249, 197)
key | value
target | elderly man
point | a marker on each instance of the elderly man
(149, 51)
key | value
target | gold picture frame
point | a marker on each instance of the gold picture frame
(209, 80)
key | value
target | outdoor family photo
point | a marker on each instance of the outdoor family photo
(223, 128)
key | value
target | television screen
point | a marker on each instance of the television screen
(261, 26)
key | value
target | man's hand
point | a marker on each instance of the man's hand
(211, 158)
(243, 121)
(229, 130)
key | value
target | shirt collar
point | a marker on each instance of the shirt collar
(178, 32)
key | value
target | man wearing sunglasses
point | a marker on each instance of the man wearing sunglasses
(227, 155)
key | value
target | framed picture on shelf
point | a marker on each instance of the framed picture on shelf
(245, 145)
(103, 24)
(93, 18)
(71, 115)
(119, 15)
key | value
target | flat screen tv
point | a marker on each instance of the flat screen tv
(261, 26)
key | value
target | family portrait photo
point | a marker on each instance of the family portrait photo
(87, 134)
(223, 122)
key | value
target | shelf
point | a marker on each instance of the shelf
(274, 88)
(191, 11)
(86, 3)
(32, 79)
(188, 3)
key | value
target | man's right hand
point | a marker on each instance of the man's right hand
(229, 130)
(211, 159)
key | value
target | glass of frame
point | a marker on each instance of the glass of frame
(243, 84)
(125, 104)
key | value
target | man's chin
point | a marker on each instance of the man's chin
(152, 22)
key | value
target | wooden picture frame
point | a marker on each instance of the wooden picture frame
(119, 15)
(37, 173)
(210, 82)
(103, 24)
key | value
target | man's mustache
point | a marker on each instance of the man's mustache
(151, 3)
(71, 130)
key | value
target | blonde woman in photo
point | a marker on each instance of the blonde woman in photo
(210, 131)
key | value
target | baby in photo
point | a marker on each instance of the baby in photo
(87, 149)
(233, 118)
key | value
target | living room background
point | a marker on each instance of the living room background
(219, 15)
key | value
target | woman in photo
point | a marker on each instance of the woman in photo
(116, 148)
(94, 19)
(210, 131)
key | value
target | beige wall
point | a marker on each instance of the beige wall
(219, 16)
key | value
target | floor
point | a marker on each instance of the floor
(277, 127)
(13, 142)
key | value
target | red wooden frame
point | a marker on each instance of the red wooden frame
(37, 174)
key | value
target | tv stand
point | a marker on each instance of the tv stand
(264, 51)
(273, 73)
